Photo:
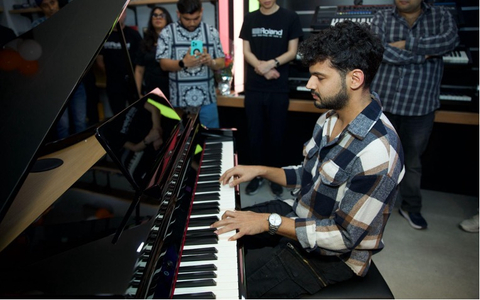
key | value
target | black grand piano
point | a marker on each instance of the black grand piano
(89, 216)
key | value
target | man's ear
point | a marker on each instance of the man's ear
(357, 78)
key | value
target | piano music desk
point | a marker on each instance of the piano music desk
(297, 105)
(40, 190)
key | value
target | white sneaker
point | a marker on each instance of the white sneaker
(470, 225)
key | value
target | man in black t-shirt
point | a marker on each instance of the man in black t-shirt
(270, 39)
(120, 86)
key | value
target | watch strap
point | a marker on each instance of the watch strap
(181, 64)
(277, 63)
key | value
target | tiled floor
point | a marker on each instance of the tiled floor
(441, 262)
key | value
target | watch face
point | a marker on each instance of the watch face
(275, 219)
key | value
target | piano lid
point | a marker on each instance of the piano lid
(38, 76)
(141, 139)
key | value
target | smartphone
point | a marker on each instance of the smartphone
(196, 47)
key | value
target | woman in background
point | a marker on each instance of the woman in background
(148, 74)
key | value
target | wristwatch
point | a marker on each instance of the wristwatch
(274, 221)
(181, 64)
(277, 63)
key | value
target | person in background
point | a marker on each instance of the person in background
(148, 74)
(192, 84)
(347, 184)
(270, 39)
(415, 36)
(113, 63)
(76, 111)
(48, 8)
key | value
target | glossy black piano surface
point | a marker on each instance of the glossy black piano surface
(69, 250)
(34, 93)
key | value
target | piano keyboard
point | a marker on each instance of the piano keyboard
(456, 57)
(209, 263)
(455, 97)
(326, 16)
(358, 19)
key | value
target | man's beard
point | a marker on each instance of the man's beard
(335, 102)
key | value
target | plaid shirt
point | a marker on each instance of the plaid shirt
(407, 82)
(347, 187)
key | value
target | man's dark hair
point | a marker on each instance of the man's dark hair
(348, 45)
(189, 6)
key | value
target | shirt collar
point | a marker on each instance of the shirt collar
(363, 123)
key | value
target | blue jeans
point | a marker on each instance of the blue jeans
(77, 111)
(414, 133)
(209, 116)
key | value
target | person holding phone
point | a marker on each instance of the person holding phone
(192, 84)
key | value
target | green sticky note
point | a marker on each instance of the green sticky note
(165, 110)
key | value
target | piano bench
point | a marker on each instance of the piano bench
(371, 286)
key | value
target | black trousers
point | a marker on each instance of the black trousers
(278, 267)
(267, 122)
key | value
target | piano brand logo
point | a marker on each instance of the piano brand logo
(266, 32)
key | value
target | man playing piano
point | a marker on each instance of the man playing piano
(345, 187)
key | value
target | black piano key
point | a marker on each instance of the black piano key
(202, 221)
(197, 275)
(203, 295)
(199, 257)
(207, 196)
(201, 240)
(208, 178)
(206, 211)
(213, 163)
(200, 232)
(199, 251)
(204, 189)
(213, 145)
(210, 170)
(206, 185)
(210, 147)
(195, 283)
(212, 154)
(197, 268)
(205, 205)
